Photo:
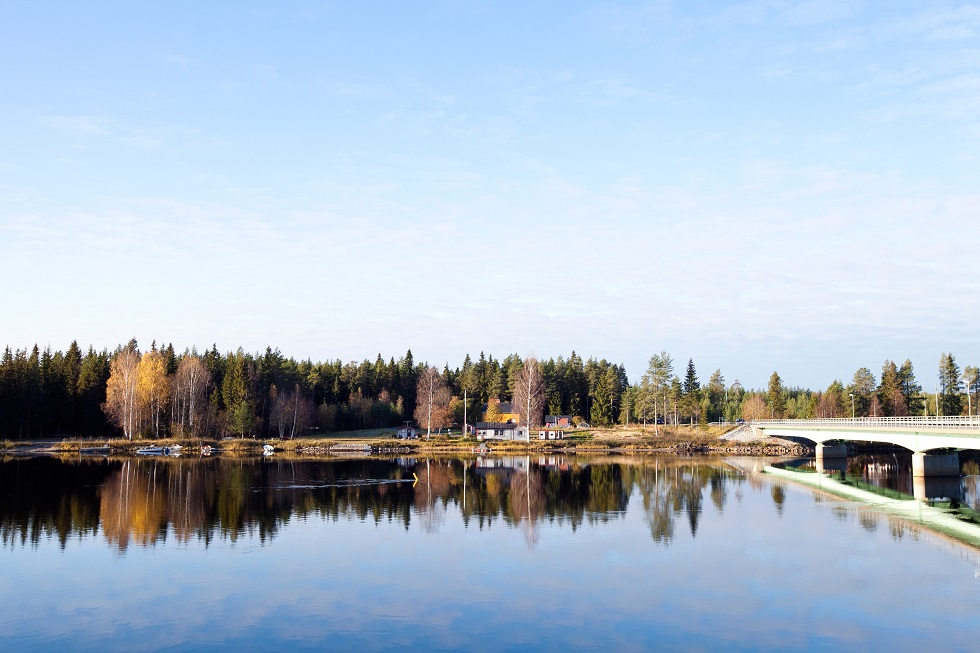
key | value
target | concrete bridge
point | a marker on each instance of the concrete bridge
(920, 435)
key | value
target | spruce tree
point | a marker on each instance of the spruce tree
(950, 386)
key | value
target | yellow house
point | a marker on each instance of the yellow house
(506, 412)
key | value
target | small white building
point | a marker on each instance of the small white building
(407, 433)
(551, 434)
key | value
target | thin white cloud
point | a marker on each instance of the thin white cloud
(76, 125)
(148, 136)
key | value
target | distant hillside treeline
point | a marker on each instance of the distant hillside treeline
(161, 392)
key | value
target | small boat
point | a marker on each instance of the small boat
(268, 450)
(207, 450)
(152, 451)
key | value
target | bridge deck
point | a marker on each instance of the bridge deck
(906, 424)
(916, 433)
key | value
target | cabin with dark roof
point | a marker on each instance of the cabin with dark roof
(501, 431)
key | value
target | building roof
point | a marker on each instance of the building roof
(504, 407)
(497, 425)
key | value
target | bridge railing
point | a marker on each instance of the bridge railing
(877, 422)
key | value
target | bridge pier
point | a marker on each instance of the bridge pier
(831, 450)
(830, 465)
(925, 488)
(924, 464)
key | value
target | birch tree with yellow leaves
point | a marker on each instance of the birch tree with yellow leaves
(122, 405)
(153, 387)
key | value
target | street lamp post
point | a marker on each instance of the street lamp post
(852, 405)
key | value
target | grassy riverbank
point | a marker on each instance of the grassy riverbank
(638, 439)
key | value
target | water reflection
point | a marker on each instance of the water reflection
(144, 501)
(891, 470)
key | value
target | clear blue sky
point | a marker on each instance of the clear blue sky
(771, 185)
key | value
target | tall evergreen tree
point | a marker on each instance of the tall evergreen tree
(659, 372)
(601, 413)
(890, 391)
(238, 392)
(776, 396)
(862, 387)
(692, 391)
(691, 383)
(911, 390)
(716, 396)
(950, 386)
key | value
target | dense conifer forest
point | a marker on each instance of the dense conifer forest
(160, 392)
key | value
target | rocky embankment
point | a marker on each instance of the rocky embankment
(744, 442)
(762, 448)
(772, 447)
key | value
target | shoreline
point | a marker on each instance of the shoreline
(345, 446)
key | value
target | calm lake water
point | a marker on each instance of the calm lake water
(550, 553)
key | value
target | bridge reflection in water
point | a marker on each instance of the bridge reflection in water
(933, 442)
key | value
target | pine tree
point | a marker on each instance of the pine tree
(950, 386)
(911, 390)
(716, 395)
(862, 387)
(656, 382)
(776, 395)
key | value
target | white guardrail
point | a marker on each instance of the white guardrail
(877, 422)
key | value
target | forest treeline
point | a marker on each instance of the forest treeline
(160, 392)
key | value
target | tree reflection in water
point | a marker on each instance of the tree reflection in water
(143, 501)
(671, 487)
(527, 501)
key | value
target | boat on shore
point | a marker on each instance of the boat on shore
(159, 451)
(268, 450)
